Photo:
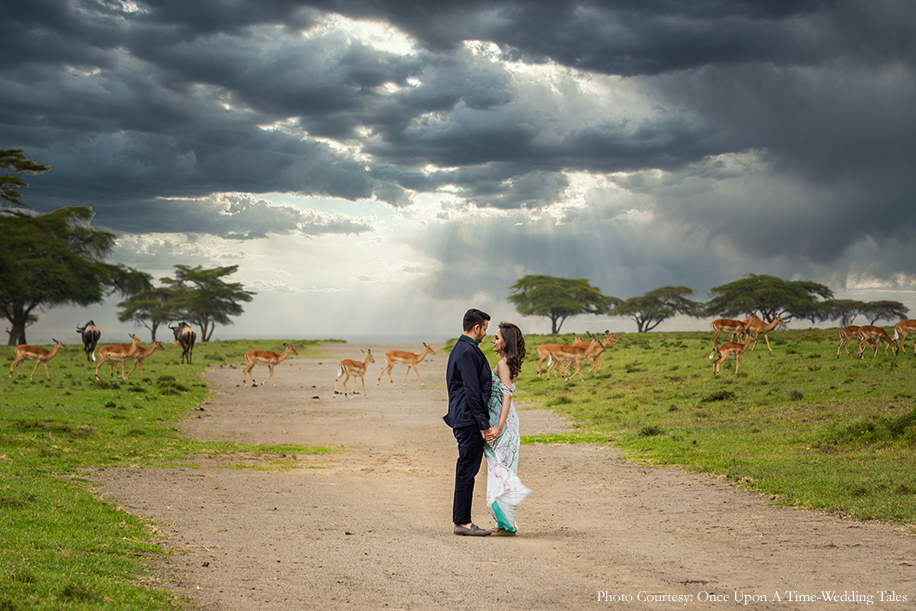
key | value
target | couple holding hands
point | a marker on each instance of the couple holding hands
(484, 422)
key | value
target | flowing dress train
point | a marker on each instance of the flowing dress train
(505, 491)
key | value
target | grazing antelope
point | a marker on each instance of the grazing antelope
(271, 359)
(544, 352)
(577, 341)
(185, 336)
(561, 353)
(609, 340)
(393, 357)
(353, 368)
(142, 353)
(40, 355)
(874, 335)
(901, 330)
(726, 350)
(847, 333)
(90, 335)
(727, 325)
(757, 326)
(117, 353)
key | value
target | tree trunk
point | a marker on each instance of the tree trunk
(206, 328)
(19, 321)
(17, 335)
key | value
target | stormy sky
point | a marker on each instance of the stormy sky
(375, 168)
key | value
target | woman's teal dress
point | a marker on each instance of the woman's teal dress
(505, 491)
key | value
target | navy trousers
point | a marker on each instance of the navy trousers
(470, 454)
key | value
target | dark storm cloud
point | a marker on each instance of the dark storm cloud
(236, 217)
(170, 100)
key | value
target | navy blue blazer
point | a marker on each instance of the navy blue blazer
(469, 383)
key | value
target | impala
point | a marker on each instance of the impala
(758, 327)
(902, 329)
(142, 353)
(117, 352)
(846, 335)
(410, 359)
(561, 353)
(185, 336)
(874, 335)
(609, 340)
(40, 355)
(253, 357)
(727, 325)
(544, 351)
(726, 350)
(90, 335)
(349, 367)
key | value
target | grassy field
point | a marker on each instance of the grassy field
(796, 423)
(62, 548)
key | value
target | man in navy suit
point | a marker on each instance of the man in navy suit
(469, 382)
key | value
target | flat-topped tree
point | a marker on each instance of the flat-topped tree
(202, 297)
(54, 259)
(771, 296)
(650, 310)
(558, 298)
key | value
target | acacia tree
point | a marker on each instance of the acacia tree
(770, 296)
(653, 308)
(16, 164)
(202, 297)
(558, 298)
(843, 310)
(55, 259)
(884, 310)
(150, 308)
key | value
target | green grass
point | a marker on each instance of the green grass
(60, 546)
(797, 423)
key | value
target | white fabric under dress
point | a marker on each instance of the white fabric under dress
(505, 491)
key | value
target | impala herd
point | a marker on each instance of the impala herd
(348, 367)
(559, 357)
(865, 335)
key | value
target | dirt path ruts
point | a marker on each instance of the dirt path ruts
(370, 528)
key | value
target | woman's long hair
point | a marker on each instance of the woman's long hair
(515, 347)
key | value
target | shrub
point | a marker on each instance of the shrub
(719, 395)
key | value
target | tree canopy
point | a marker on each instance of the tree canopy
(891, 311)
(203, 298)
(54, 259)
(558, 298)
(846, 310)
(842, 310)
(16, 164)
(150, 308)
(653, 308)
(770, 296)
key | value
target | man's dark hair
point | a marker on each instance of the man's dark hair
(474, 317)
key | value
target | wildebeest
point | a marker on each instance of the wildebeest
(185, 336)
(90, 334)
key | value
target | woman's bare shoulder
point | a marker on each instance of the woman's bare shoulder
(502, 370)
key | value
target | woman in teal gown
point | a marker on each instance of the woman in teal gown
(505, 490)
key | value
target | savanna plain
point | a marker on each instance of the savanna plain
(655, 483)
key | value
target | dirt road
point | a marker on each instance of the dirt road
(369, 528)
